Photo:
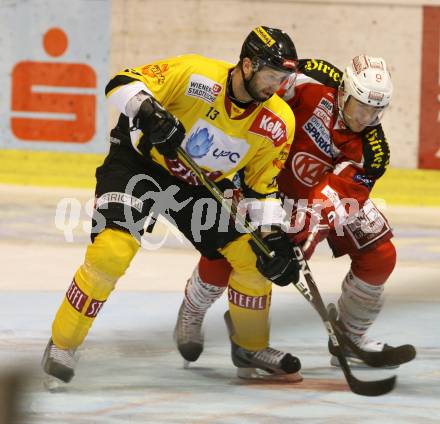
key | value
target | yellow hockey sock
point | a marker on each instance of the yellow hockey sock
(249, 296)
(106, 260)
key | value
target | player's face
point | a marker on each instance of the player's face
(266, 82)
(358, 115)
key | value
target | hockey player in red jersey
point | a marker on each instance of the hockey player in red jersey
(339, 152)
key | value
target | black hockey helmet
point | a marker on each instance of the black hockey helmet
(270, 47)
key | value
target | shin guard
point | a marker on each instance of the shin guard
(106, 260)
(249, 297)
(359, 305)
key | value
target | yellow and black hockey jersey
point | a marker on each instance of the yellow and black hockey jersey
(221, 137)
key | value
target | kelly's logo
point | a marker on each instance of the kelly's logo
(325, 68)
(270, 126)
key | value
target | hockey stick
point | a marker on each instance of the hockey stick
(310, 293)
(388, 357)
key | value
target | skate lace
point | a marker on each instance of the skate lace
(191, 326)
(270, 356)
(63, 356)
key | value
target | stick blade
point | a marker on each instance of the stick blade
(392, 357)
(372, 388)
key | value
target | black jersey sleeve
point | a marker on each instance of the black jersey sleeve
(321, 71)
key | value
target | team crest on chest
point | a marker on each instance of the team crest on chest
(308, 169)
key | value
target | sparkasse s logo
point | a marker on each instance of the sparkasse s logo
(271, 126)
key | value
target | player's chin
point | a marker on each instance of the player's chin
(359, 127)
(356, 126)
(265, 96)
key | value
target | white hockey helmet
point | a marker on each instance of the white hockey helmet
(367, 80)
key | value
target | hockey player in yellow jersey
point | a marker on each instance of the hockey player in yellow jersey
(228, 119)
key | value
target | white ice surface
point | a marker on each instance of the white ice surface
(130, 372)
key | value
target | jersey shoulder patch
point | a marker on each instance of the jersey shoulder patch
(376, 150)
(321, 71)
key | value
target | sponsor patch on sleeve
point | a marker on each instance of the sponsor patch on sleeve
(376, 151)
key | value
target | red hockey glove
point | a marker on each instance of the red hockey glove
(310, 227)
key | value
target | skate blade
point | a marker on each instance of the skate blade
(257, 375)
(356, 363)
(54, 385)
(186, 364)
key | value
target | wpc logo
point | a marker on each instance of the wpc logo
(53, 101)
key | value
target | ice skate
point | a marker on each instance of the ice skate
(264, 364)
(59, 365)
(362, 342)
(367, 345)
(188, 334)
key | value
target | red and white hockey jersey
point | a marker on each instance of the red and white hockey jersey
(327, 161)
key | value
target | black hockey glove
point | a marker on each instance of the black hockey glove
(283, 268)
(162, 129)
